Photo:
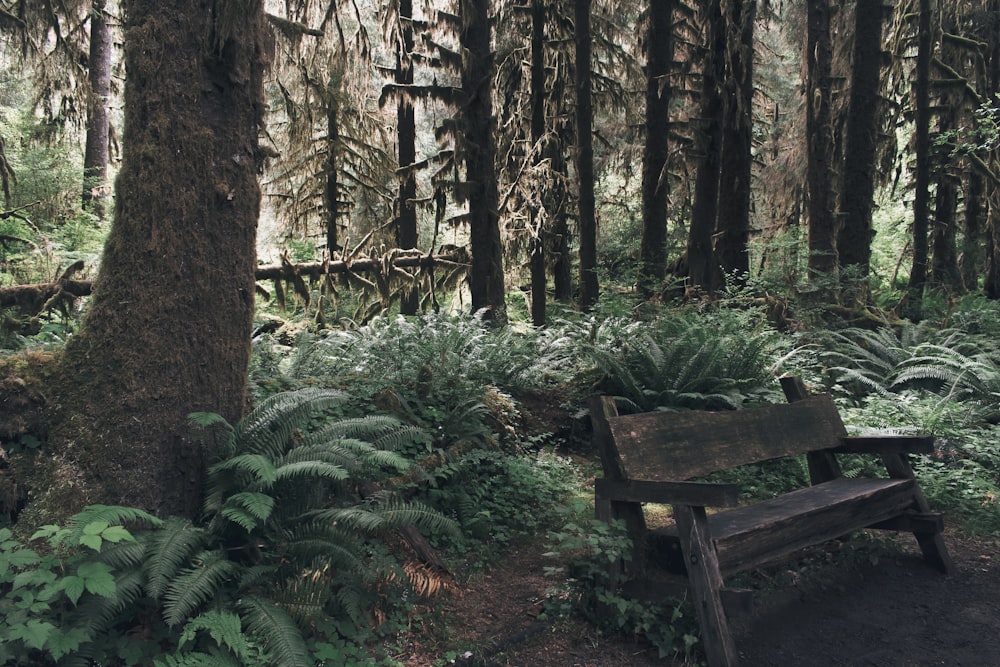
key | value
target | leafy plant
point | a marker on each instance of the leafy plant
(588, 551)
(41, 588)
(687, 359)
(286, 544)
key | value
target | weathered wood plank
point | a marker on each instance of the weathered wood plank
(750, 536)
(887, 444)
(687, 493)
(823, 465)
(685, 444)
(705, 583)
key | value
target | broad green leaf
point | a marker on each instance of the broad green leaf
(92, 541)
(73, 587)
(117, 534)
(22, 558)
(95, 527)
(97, 579)
(63, 643)
(33, 633)
(45, 532)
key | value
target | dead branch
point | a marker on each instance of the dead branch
(32, 298)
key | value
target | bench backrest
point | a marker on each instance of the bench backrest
(680, 445)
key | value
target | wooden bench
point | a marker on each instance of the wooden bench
(652, 457)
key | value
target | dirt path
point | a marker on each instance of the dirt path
(877, 606)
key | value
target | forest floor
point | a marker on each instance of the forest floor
(865, 602)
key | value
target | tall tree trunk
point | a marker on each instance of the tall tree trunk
(406, 137)
(857, 196)
(819, 132)
(331, 187)
(921, 146)
(589, 287)
(538, 241)
(732, 247)
(655, 184)
(562, 262)
(487, 277)
(991, 279)
(168, 328)
(944, 264)
(971, 260)
(95, 157)
(703, 270)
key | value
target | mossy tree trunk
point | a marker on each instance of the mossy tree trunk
(479, 147)
(921, 150)
(406, 138)
(95, 158)
(168, 328)
(733, 222)
(819, 167)
(539, 276)
(655, 151)
(703, 266)
(857, 196)
(587, 215)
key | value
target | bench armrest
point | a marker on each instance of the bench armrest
(887, 444)
(701, 494)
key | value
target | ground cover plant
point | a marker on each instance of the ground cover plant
(425, 422)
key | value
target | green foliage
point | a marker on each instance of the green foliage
(285, 545)
(589, 551)
(496, 497)
(711, 359)
(46, 580)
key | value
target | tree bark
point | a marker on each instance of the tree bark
(96, 152)
(539, 277)
(562, 263)
(921, 149)
(971, 260)
(857, 196)
(479, 149)
(733, 223)
(331, 187)
(406, 138)
(703, 269)
(168, 328)
(822, 228)
(589, 288)
(655, 186)
(944, 263)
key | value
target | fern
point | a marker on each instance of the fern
(275, 630)
(193, 586)
(170, 549)
(225, 629)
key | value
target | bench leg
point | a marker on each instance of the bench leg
(931, 544)
(705, 584)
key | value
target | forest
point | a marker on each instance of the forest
(302, 301)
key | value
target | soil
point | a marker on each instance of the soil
(870, 601)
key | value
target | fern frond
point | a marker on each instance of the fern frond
(194, 586)
(257, 465)
(224, 627)
(368, 427)
(320, 469)
(269, 427)
(275, 630)
(113, 515)
(169, 549)
(123, 555)
(197, 659)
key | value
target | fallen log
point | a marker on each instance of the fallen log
(34, 298)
